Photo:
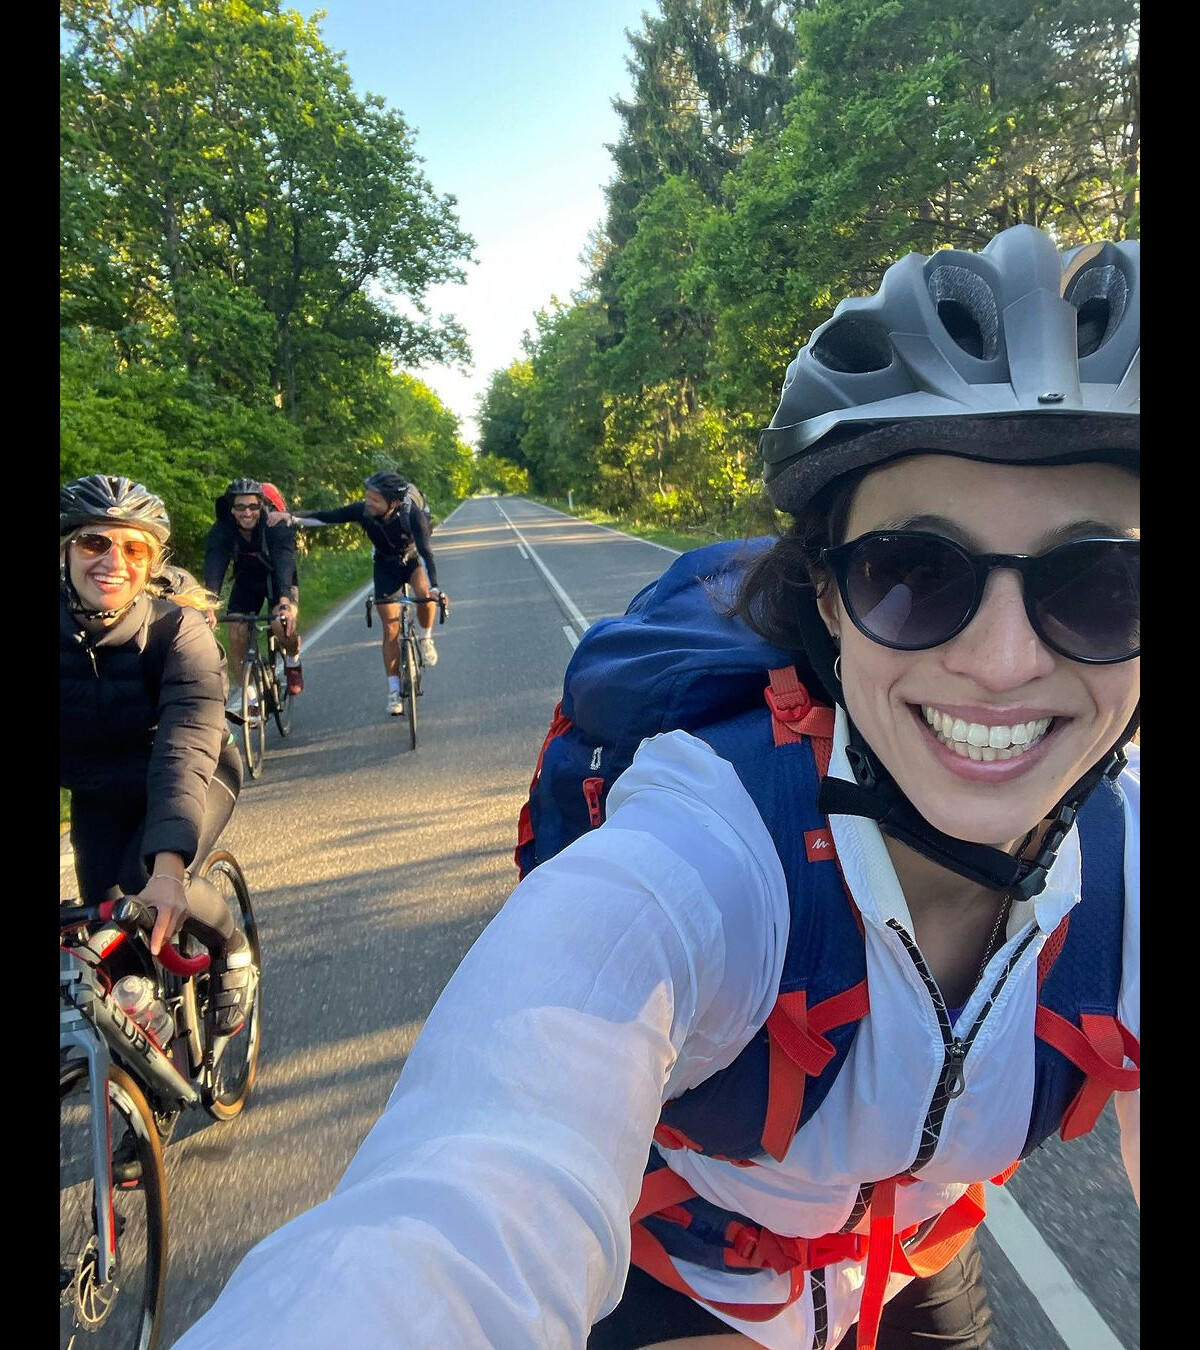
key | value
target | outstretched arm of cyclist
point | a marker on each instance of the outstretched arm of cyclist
(351, 513)
(490, 1203)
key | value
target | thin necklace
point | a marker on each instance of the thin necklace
(1001, 915)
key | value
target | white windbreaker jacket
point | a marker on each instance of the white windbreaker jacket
(488, 1208)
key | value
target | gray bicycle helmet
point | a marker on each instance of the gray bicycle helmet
(390, 485)
(1016, 354)
(106, 499)
(245, 487)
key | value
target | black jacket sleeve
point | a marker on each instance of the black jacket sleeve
(191, 731)
(281, 548)
(337, 515)
(421, 537)
(218, 549)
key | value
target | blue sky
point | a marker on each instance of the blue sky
(511, 106)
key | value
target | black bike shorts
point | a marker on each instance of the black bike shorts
(247, 595)
(946, 1311)
(392, 575)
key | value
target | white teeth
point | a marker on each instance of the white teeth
(977, 741)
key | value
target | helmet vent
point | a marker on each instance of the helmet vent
(853, 346)
(1099, 294)
(967, 309)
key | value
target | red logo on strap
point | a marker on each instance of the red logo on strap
(818, 844)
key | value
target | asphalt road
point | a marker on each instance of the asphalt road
(373, 868)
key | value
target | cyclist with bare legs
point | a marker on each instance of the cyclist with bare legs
(399, 530)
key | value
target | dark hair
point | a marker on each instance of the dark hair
(767, 598)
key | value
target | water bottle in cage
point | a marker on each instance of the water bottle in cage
(135, 994)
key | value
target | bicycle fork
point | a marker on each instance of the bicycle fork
(75, 1029)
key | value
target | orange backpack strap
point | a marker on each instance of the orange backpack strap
(558, 725)
(799, 1050)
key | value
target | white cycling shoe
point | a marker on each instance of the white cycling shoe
(395, 704)
(428, 651)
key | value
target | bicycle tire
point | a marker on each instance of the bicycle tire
(110, 1316)
(254, 729)
(238, 1066)
(408, 661)
(281, 698)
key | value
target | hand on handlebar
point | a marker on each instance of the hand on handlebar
(165, 895)
(285, 613)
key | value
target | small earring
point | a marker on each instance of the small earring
(837, 667)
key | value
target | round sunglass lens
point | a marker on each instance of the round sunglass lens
(1087, 600)
(909, 592)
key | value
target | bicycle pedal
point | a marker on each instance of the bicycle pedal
(127, 1175)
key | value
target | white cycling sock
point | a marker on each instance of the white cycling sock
(425, 632)
(291, 660)
(394, 684)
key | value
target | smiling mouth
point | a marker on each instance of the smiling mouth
(983, 741)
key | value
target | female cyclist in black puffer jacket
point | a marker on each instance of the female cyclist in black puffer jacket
(142, 726)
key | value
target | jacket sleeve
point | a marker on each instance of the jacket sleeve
(352, 512)
(421, 537)
(191, 731)
(489, 1205)
(218, 549)
(281, 544)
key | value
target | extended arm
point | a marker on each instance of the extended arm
(489, 1205)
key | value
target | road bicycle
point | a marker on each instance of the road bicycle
(124, 1082)
(264, 689)
(412, 663)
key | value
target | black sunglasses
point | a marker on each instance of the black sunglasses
(909, 590)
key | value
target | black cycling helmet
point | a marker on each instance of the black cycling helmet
(1018, 354)
(106, 499)
(390, 485)
(245, 487)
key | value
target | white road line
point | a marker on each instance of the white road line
(1060, 1298)
(563, 598)
(608, 528)
(521, 551)
(572, 638)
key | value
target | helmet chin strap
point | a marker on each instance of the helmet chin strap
(875, 795)
(80, 610)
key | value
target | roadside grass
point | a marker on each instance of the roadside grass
(680, 537)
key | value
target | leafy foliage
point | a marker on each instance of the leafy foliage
(775, 157)
(246, 245)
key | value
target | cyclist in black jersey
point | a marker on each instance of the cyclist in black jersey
(264, 564)
(275, 501)
(398, 526)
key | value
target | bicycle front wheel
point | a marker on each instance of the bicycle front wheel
(122, 1313)
(254, 717)
(237, 1068)
(281, 699)
(408, 663)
